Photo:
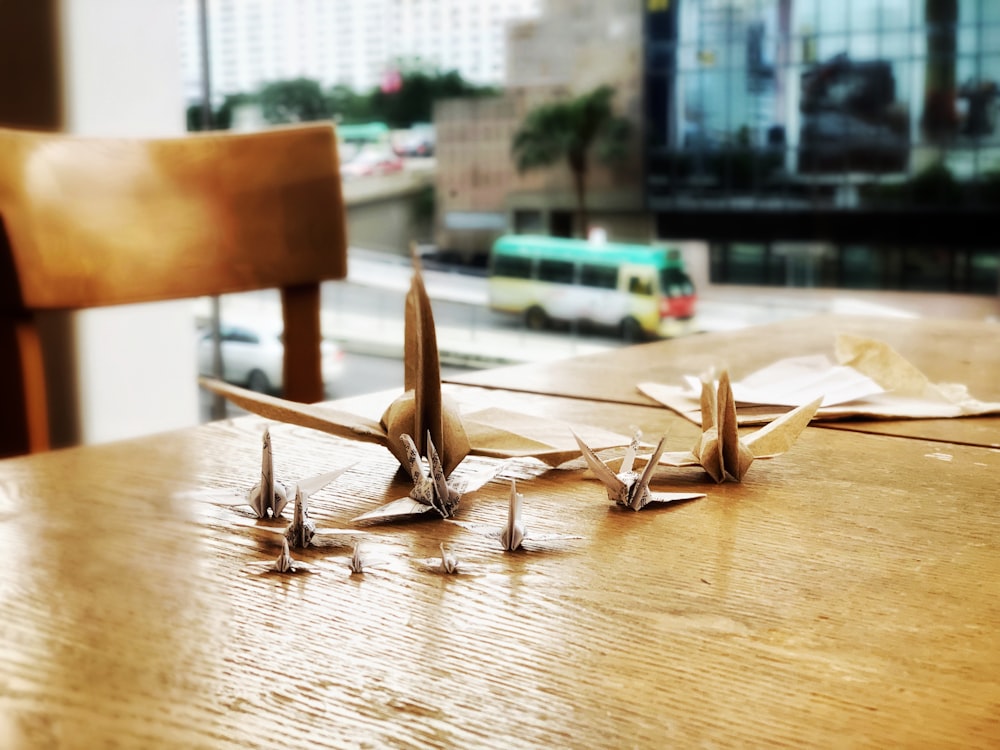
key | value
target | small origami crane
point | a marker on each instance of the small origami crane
(513, 534)
(356, 564)
(286, 563)
(449, 563)
(268, 498)
(422, 410)
(627, 487)
(720, 450)
(431, 489)
(302, 531)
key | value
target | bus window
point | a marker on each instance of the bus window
(602, 277)
(555, 271)
(517, 268)
(637, 285)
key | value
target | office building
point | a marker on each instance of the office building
(809, 143)
(351, 42)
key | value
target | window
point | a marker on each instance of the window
(516, 268)
(602, 277)
(675, 283)
(555, 271)
(637, 285)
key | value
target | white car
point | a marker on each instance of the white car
(252, 356)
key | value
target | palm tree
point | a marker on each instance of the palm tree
(569, 129)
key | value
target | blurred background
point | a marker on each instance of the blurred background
(788, 156)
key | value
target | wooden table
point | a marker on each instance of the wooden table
(951, 351)
(846, 593)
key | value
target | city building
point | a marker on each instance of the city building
(807, 143)
(573, 47)
(351, 42)
(849, 144)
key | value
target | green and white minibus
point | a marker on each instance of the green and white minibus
(638, 289)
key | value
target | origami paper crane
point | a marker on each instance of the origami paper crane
(302, 531)
(357, 563)
(432, 491)
(720, 450)
(286, 563)
(447, 564)
(422, 410)
(268, 498)
(627, 487)
(513, 534)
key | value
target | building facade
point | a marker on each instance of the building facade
(805, 142)
(573, 47)
(849, 144)
(350, 42)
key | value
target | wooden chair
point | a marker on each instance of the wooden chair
(95, 222)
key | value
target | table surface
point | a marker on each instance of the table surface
(846, 592)
(950, 351)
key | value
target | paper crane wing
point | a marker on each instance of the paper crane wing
(777, 437)
(602, 472)
(402, 508)
(331, 421)
(311, 485)
(422, 368)
(647, 474)
(673, 497)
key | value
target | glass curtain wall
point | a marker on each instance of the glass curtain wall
(805, 105)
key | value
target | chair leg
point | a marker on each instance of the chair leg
(302, 366)
(24, 424)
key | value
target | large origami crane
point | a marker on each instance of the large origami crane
(424, 414)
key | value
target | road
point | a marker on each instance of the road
(365, 314)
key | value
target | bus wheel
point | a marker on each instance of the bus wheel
(631, 330)
(535, 318)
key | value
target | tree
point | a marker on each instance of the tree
(349, 106)
(569, 130)
(413, 101)
(297, 100)
(222, 116)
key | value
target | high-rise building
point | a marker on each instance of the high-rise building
(803, 142)
(351, 42)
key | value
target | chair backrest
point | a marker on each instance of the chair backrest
(93, 222)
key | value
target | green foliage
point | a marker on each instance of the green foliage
(348, 106)
(297, 100)
(419, 89)
(303, 99)
(568, 130)
(222, 116)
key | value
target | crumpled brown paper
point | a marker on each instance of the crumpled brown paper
(870, 379)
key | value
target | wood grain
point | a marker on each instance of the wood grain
(844, 593)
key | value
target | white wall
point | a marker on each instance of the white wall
(135, 365)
